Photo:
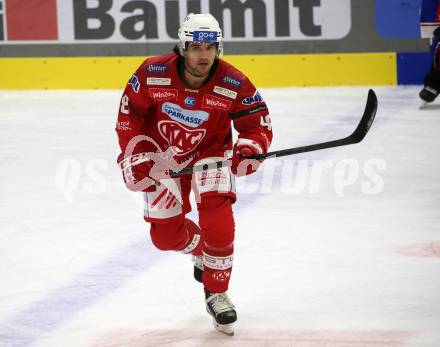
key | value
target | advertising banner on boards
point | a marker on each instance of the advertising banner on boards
(157, 21)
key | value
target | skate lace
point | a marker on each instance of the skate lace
(220, 302)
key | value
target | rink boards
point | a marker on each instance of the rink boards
(349, 69)
(56, 44)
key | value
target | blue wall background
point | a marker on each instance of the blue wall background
(399, 19)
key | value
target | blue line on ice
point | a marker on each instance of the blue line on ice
(60, 305)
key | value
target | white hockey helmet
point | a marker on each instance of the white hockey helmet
(200, 28)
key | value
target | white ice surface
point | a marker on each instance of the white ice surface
(346, 257)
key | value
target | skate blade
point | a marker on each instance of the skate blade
(423, 105)
(227, 329)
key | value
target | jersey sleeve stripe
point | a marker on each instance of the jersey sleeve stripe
(248, 111)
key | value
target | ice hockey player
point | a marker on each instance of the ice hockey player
(430, 25)
(180, 108)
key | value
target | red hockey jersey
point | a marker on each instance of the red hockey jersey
(196, 122)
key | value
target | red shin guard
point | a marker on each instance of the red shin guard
(217, 223)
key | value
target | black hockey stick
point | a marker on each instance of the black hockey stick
(357, 136)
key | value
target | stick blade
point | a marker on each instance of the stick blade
(367, 118)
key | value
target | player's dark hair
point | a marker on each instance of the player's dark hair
(176, 49)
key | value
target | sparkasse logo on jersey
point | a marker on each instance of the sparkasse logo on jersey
(154, 21)
(186, 117)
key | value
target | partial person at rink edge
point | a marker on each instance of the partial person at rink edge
(430, 28)
(185, 103)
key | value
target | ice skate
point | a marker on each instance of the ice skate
(223, 313)
(423, 105)
(431, 87)
(428, 94)
(198, 267)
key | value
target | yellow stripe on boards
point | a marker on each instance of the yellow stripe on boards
(67, 73)
(264, 70)
(318, 69)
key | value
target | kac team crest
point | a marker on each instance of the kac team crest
(182, 138)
